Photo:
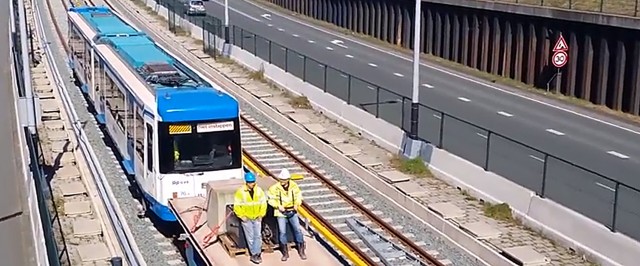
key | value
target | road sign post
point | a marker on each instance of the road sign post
(559, 59)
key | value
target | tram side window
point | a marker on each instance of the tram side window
(149, 147)
(139, 134)
(77, 45)
(115, 101)
(131, 109)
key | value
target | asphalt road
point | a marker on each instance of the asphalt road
(604, 146)
(12, 227)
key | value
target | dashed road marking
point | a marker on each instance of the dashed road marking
(373, 65)
(349, 56)
(311, 41)
(339, 43)
(555, 132)
(464, 99)
(398, 74)
(427, 85)
(502, 113)
(617, 154)
(605, 186)
(270, 25)
(536, 158)
(329, 48)
(481, 135)
(437, 116)
(280, 29)
(295, 35)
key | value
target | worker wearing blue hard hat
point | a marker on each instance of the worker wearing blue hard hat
(250, 205)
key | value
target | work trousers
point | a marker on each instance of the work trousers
(253, 233)
(294, 220)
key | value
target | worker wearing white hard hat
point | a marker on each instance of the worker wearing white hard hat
(285, 197)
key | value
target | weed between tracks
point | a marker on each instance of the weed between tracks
(500, 80)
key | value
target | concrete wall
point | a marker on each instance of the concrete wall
(551, 219)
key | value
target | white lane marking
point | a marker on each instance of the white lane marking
(266, 16)
(329, 48)
(371, 88)
(617, 154)
(270, 25)
(311, 41)
(238, 11)
(536, 158)
(339, 43)
(555, 132)
(427, 85)
(398, 74)
(482, 136)
(280, 29)
(437, 116)
(587, 116)
(295, 35)
(349, 56)
(502, 113)
(373, 65)
(464, 99)
(605, 186)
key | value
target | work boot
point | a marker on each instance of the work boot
(285, 253)
(259, 257)
(301, 253)
(254, 259)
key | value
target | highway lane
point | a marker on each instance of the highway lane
(542, 128)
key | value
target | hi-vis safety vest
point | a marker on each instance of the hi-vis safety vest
(286, 198)
(250, 207)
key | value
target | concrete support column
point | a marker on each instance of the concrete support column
(618, 76)
(359, 17)
(544, 51)
(385, 22)
(465, 39)
(437, 46)
(455, 43)
(603, 72)
(407, 27)
(486, 34)
(475, 41)
(446, 42)
(587, 67)
(572, 65)
(429, 29)
(635, 80)
(507, 55)
(423, 32)
(531, 50)
(494, 57)
(519, 50)
(377, 20)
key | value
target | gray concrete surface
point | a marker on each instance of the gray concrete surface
(16, 241)
(540, 214)
(605, 147)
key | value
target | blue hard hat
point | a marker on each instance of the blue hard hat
(249, 177)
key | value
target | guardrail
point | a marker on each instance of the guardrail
(613, 7)
(116, 218)
(395, 109)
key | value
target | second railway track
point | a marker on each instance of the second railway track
(333, 201)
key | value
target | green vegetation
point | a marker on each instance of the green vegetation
(414, 166)
(257, 75)
(500, 212)
(301, 102)
(58, 202)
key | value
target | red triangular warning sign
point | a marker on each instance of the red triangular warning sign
(561, 45)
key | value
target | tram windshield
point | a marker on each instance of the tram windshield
(199, 146)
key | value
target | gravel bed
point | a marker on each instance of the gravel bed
(409, 224)
(141, 228)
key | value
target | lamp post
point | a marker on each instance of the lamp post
(227, 37)
(413, 144)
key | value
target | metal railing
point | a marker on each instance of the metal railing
(614, 7)
(613, 205)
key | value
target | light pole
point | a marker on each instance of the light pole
(413, 144)
(227, 39)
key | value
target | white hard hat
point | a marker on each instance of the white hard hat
(284, 174)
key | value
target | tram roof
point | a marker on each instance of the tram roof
(189, 104)
(104, 21)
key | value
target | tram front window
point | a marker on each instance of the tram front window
(198, 147)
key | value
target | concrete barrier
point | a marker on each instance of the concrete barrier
(552, 220)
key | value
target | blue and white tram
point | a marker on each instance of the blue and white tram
(174, 131)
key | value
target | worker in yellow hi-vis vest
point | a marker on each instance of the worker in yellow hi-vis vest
(250, 205)
(285, 197)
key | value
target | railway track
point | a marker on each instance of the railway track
(331, 201)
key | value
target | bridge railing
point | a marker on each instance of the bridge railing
(614, 7)
(610, 202)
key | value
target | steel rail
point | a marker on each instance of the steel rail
(351, 200)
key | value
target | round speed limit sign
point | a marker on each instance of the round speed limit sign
(560, 59)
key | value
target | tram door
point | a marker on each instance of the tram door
(149, 176)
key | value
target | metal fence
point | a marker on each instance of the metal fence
(612, 203)
(57, 251)
(616, 7)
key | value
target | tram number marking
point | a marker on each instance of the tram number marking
(179, 182)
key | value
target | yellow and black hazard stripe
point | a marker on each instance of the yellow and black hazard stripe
(179, 129)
